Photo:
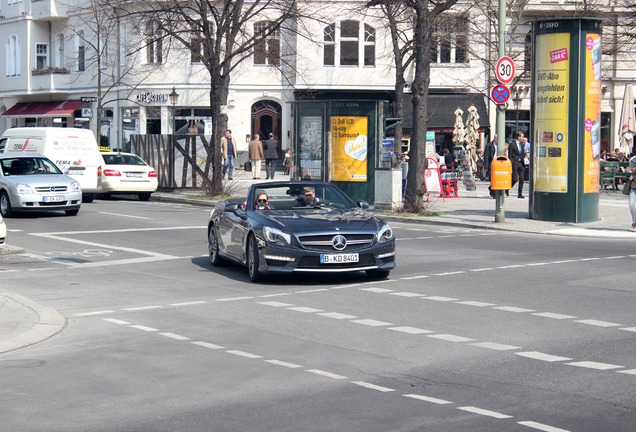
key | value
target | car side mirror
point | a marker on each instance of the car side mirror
(362, 204)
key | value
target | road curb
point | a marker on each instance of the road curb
(49, 323)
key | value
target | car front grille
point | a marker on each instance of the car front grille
(44, 189)
(325, 243)
(313, 262)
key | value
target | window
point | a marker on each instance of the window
(344, 43)
(527, 52)
(154, 43)
(267, 47)
(450, 41)
(60, 61)
(41, 56)
(103, 48)
(198, 43)
(13, 56)
(123, 45)
(81, 52)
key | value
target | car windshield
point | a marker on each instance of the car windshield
(121, 159)
(300, 197)
(28, 166)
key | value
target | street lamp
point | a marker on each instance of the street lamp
(174, 96)
(517, 104)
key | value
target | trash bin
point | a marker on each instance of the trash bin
(501, 174)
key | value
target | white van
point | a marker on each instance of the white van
(74, 151)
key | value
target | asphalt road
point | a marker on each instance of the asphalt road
(476, 330)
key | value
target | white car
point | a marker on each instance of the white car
(3, 232)
(127, 173)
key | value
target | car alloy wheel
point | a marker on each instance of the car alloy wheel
(5, 205)
(213, 247)
(252, 259)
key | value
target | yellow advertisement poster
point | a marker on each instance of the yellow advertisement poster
(592, 135)
(349, 148)
(551, 112)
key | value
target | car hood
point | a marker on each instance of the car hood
(319, 220)
(39, 179)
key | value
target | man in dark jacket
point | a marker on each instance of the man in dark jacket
(271, 155)
(490, 153)
(516, 154)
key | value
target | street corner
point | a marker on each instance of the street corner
(24, 322)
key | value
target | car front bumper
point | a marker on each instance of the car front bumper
(42, 202)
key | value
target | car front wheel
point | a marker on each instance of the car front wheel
(213, 248)
(5, 205)
(252, 260)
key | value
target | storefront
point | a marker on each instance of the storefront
(66, 113)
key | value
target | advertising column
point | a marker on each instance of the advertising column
(566, 115)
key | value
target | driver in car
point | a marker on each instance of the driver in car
(307, 199)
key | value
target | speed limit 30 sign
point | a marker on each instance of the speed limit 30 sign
(505, 70)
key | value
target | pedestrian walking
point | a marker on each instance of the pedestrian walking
(228, 151)
(271, 155)
(256, 155)
(516, 155)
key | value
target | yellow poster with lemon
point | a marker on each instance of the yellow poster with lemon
(551, 112)
(349, 148)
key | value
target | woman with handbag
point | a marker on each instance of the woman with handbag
(631, 186)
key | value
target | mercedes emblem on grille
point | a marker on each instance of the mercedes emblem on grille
(339, 242)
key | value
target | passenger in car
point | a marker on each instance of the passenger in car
(262, 202)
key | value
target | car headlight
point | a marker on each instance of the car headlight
(75, 187)
(274, 235)
(385, 234)
(22, 188)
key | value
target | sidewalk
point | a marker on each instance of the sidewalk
(24, 322)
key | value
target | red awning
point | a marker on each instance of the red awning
(43, 109)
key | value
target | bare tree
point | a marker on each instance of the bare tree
(220, 35)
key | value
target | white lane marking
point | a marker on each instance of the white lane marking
(615, 257)
(376, 290)
(123, 215)
(229, 299)
(538, 264)
(513, 309)
(410, 330)
(274, 295)
(373, 386)
(274, 304)
(284, 364)
(174, 336)
(475, 303)
(123, 230)
(553, 315)
(304, 309)
(450, 337)
(542, 356)
(325, 374)
(102, 312)
(628, 371)
(631, 329)
(144, 328)
(441, 299)
(405, 294)
(598, 323)
(563, 261)
(52, 268)
(336, 315)
(511, 266)
(428, 399)
(116, 321)
(311, 291)
(371, 322)
(484, 412)
(244, 354)
(541, 426)
(595, 365)
(482, 269)
(415, 277)
(208, 345)
(590, 259)
(495, 346)
(190, 303)
(449, 273)
(141, 308)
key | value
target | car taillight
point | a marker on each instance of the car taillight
(113, 173)
(99, 171)
(152, 174)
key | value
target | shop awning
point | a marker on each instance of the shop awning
(43, 109)
(441, 109)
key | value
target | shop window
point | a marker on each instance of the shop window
(153, 120)
(13, 56)
(450, 40)
(267, 44)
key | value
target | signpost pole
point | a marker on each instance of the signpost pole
(500, 214)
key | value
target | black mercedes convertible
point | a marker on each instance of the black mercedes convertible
(284, 227)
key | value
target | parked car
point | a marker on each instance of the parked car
(127, 173)
(300, 227)
(3, 232)
(34, 183)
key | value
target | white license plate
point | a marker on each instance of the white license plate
(339, 258)
(56, 198)
(136, 175)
